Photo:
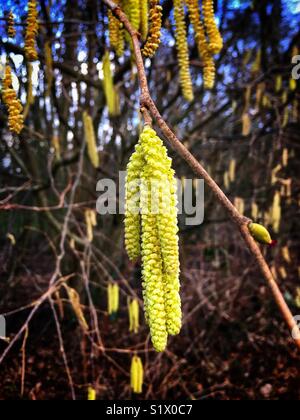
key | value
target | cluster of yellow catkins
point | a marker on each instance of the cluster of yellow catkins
(90, 139)
(133, 312)
(113, 293)
(155, 18)
(136, 375)
(13, 104)
(10, 25)
(31, 31)
(208, 37)
(151, 231)
(111, 94)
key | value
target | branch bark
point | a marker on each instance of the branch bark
(240, 221)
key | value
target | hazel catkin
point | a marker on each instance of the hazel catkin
(215, 40)
(158, 234)
(182, 51)
(10, 25)
(31, 31)
(155, 19)
(13, 104)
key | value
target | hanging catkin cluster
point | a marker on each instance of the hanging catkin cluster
(111, 94)
(116, 32)
(151, 229)
(13, 104)
(155, 19)
(90, 139)
(136, 375)
(31, 31)
(208, 38)
(10, 25)
(182, 51)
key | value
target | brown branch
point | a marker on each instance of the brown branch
(240, 221)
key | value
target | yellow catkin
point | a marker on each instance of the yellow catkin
(136, 375)
(292, 84)
(89, 225)
(132, 204)
(286, 117)
(156, 192)
(91, 394)
(285, 157)
(56, 145)
(209, 69)
(90, 139)
(144, 27)
(182, 51)
(112, 298)
(278, 83)
(257, 62)
(10, 25)
(76, 305)
(48, 67)
(133, 312)
(276, 212)
(215, 39)
(31, 31)
(154, 30)
(286, 254)
(226, 180)
(159, 173)
(13, 104)
(115, 297)
(111, 94)
(116, 32)
(232, 170)
(246, 124)
(283, 272)
(11, 238)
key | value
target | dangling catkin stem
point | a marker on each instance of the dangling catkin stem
(155, 18)
(90, 139)
(13, 104)
(31, 31)
(182, 51)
